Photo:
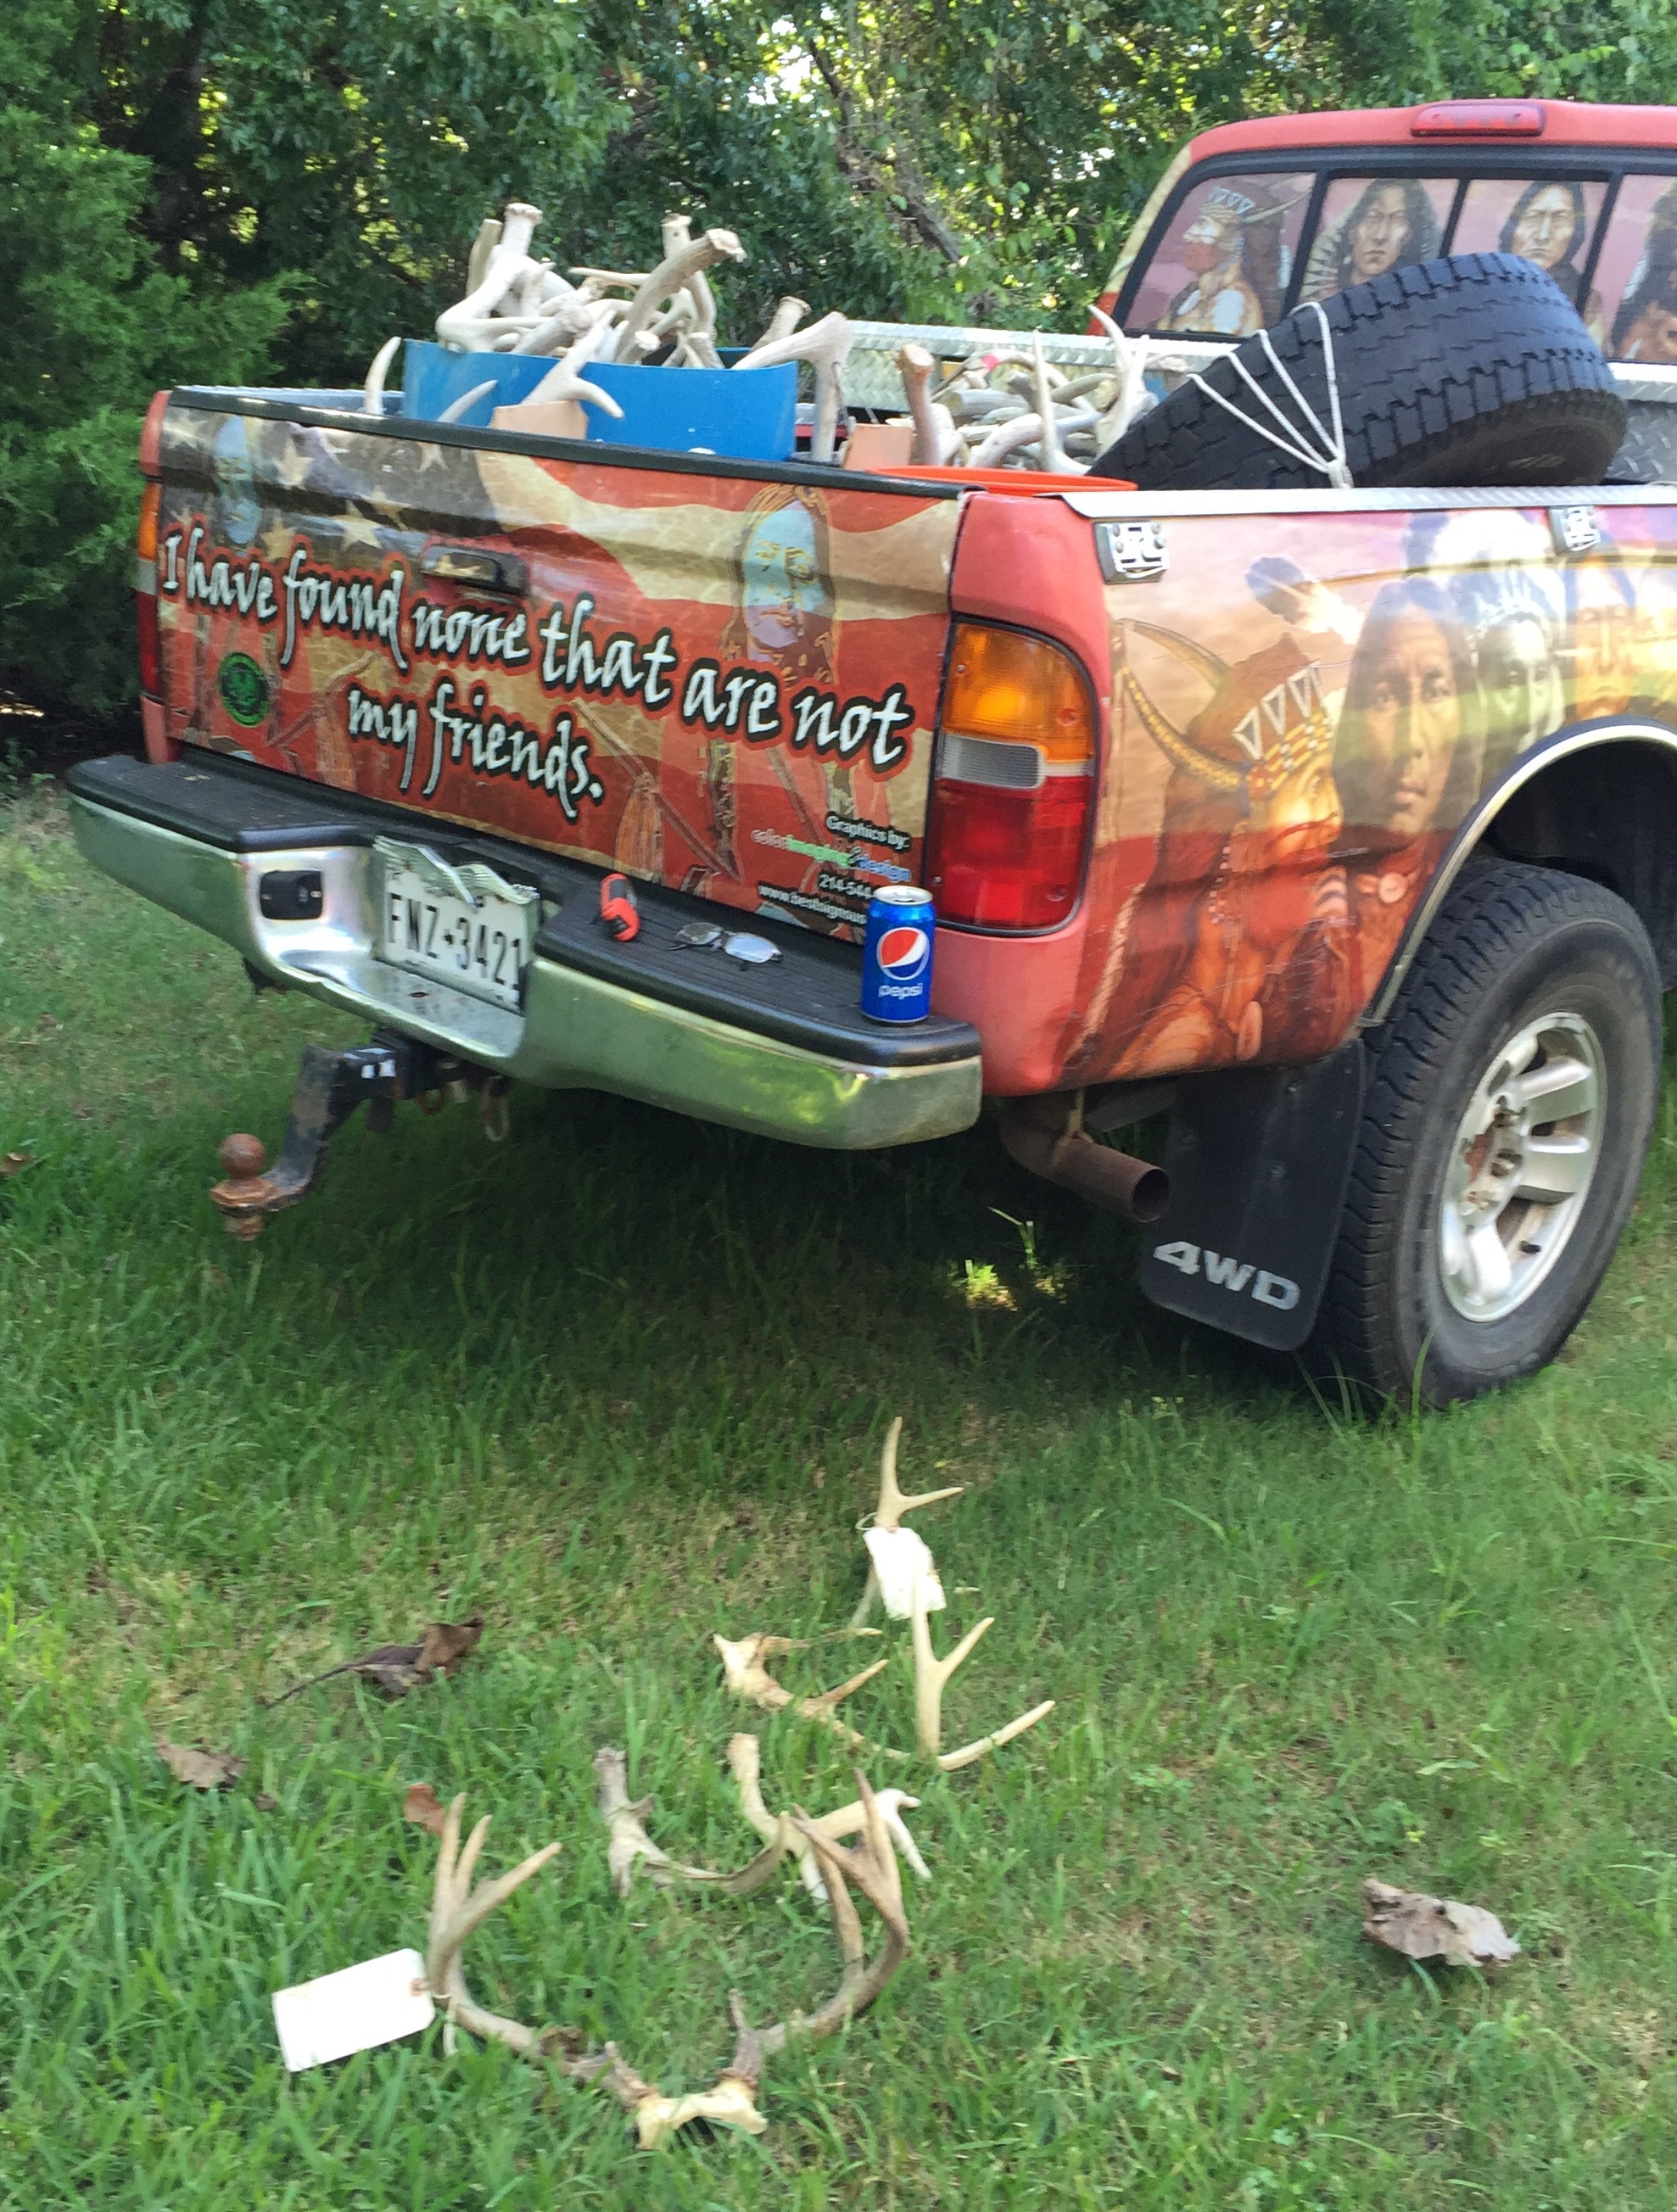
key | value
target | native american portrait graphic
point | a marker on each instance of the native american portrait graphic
(1645, 327)
(1236, 261)
(1498, 571)
(237, 513)
(1407, 760)
(1547, 225)
(784, 608)
(1603, 632)
(1238, 928)
(1392, 222)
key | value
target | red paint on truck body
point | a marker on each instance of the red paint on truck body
(1031, 564)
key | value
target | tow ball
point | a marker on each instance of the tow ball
(330, 1087)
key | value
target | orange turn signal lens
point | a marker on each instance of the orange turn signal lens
(150, 501)
(1021, 689)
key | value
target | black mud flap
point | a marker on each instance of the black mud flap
(1258, 1160)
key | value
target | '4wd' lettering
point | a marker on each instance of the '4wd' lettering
(1235, 1275)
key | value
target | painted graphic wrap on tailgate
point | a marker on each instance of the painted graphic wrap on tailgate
(723, 685)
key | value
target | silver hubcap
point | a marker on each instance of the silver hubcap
(1521, 1166)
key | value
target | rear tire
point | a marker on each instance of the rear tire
(1510, 1099)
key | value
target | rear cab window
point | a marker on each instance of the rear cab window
(1224, 265)
(1636, 274)
(1367, 225)
(1236, 243)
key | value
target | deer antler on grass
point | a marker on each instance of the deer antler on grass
(745, 1674)
(457, 1912)
(871, 1865)
(901, 1551)
(631, 1846)
(731, 2101)
(780, 1830)
(932, 1673)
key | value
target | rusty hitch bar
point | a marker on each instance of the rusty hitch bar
(329, 1086)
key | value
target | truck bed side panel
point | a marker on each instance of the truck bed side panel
(1307, 705)
(722, 684)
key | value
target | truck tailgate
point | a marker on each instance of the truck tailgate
(713, 675)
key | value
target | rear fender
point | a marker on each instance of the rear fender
(1598, 799)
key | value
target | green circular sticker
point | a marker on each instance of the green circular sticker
(244, 690)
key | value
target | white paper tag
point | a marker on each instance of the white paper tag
(357, 2009)
(898, 1555)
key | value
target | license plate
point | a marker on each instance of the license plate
(465, 925)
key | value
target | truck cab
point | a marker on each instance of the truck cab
(1255, 218)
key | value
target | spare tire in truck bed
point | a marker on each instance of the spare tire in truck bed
(1473, 370)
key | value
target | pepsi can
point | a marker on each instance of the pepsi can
(896, 954)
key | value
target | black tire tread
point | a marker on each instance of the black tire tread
(1494, 914)
(1473, 369)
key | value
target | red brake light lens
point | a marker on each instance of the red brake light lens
(1014, 784)
(1478, 118)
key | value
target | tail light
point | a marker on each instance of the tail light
(145, 595)
(1014, 783)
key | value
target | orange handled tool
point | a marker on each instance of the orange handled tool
(618, 909)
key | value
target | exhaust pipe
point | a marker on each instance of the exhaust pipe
(1116, 1182)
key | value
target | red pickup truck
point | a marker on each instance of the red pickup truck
(1340, 822)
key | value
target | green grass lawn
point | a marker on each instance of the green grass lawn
(621, 1382)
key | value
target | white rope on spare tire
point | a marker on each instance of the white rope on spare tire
(1330, 461)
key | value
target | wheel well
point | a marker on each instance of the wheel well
(1608, 812)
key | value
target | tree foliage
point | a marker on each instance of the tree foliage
(93, 324)
(212, 190)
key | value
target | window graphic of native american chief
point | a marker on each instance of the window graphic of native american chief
(1237, 264)
(1238, 938)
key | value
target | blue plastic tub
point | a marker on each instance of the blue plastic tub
(431, 376)
(744, 415)
(748, 416)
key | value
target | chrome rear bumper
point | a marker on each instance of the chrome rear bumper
(577, 1030)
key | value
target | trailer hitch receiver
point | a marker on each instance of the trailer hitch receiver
(329, 1086)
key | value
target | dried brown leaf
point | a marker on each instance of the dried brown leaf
(13, 1163)
(203, 1770)
(445, 1644)
(392, 1668)
(396, 1669)
(422, 1806)
(1422, 1927)
(264, 1804)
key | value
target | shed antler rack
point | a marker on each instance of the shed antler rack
(459, 1907)
(903, 1577)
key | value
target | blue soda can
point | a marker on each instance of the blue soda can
(896, 954)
